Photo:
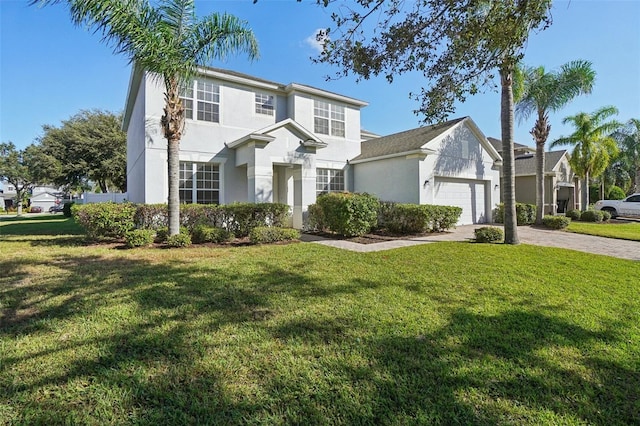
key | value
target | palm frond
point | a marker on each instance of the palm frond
(216, 36)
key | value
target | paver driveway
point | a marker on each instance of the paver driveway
(528, 235)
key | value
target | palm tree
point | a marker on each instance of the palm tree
(540, 92)
(592, 147)
(629, 142)
(169, 42)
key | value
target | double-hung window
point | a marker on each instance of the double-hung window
(186, 96)
(199, 183)
(264, 104)
(329, 180)
(208, 95)
(328, 119)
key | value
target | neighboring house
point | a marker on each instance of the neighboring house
(45, 197)
(8, 195)
(254, 140)
(562, 186)
(452, 164)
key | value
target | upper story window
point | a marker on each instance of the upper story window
(328, 119)
(206, 99)
(208, 96)
(264, 104)
(186, 96)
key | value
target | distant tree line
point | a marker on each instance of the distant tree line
(87, 151)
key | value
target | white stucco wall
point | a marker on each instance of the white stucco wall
(206, 142)
(136, 144)
(392, 179)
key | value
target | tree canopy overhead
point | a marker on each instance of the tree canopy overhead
(458, 46)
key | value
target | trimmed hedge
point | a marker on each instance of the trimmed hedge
(111, 220)
(488, 234)
(417, 218)
(139, 237)
(556, 222)
(606, 216)
(210, 234)
(592, 216)
(105, 220)
(348, 214)
(272, 234)
(525, 213)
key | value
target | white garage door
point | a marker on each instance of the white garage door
(467, 194)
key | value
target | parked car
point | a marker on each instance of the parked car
(35, 209)
(56, 209)
(629, 207)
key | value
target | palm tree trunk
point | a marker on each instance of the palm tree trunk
(508, 162)
(173, 160)
(172, 124)
(540, 133)
(585, 192)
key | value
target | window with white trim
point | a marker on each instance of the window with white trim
(208, 96)
(199, 183)
(329, 180)
(328, 119)
(264, 104)
(186, 96)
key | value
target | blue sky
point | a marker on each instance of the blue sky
(50, 70)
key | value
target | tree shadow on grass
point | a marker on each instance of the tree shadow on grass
(164, 355)
(477, 370)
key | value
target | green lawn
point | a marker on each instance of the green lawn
(444, 333)
(624, 231)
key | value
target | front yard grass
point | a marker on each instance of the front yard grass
(623, 231)
(444, 333)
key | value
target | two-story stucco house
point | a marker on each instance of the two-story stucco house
(249, 139)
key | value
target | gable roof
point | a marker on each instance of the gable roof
(309, 138)
(407, 141)
(526, 164)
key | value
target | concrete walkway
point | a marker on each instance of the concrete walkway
(622, 249)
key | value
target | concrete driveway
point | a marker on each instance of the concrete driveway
(622, 249)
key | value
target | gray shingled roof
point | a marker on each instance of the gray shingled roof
(526, 165)
(409, 140)
(497, 144)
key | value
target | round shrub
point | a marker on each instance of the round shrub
(179, 240)
(573, 214)
(162, 234)
(210, 234)
(556, 222)
(488, 234)
(138, 237)
(616, 193)
(272, 234)
(349, 214)
(592, 216)
(606, 216)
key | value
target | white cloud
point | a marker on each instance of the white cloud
(313, 42)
